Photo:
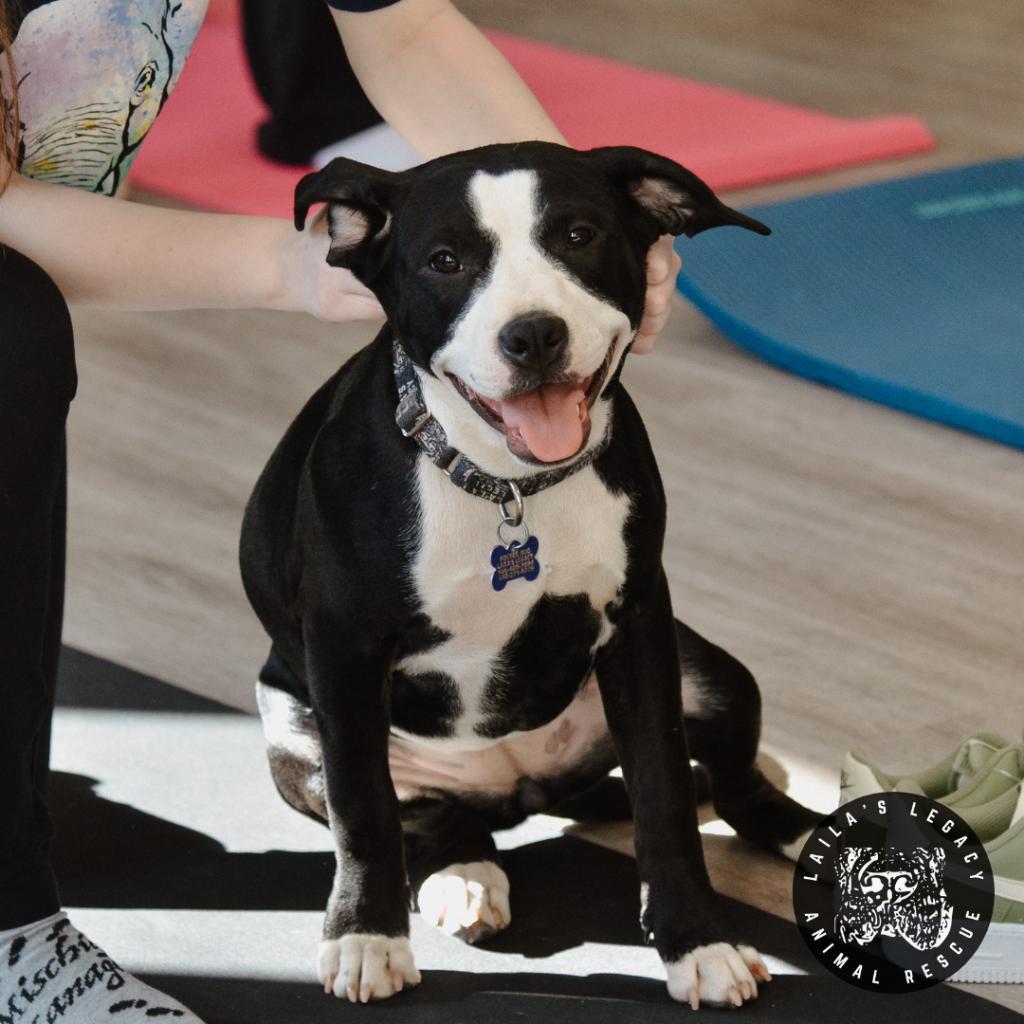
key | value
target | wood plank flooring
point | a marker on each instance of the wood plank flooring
(868, 566)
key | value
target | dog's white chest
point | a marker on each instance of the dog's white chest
(579, 526)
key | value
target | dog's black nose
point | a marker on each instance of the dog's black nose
(534, 342)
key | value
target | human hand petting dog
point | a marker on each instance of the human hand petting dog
(663, 265)
(312, 286)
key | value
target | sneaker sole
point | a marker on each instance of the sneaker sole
(1000, 958)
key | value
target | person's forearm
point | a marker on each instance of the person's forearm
(438, 80)
(121, 255)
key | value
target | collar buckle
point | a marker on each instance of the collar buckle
(411, 415)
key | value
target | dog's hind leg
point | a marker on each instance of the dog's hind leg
(453, 866)
(722, 705)
(293, 750)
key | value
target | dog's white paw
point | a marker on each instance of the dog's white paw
(364, 966)
(467, 900)
(717, 975)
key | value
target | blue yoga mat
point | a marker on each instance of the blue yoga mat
(909, 293)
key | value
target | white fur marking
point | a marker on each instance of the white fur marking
(579, 524)
(661, 197)
(547, 751)
(695, 698)
(717, 975)
(348, 225)
(279, 712)
(523, 278)
(364, 966)
(469, 900)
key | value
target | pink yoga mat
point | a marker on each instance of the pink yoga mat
(202, 148)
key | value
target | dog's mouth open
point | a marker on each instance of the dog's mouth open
(549, 423)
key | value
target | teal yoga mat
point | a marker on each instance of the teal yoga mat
(909, 293)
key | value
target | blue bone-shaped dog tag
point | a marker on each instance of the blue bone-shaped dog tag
(517, 561)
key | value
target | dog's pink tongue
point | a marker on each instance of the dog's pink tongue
(548, 419)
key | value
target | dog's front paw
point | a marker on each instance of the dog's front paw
(469, 901)
(718, 975)
(365, 966)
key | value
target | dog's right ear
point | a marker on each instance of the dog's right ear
(675, 199)
(360, 203)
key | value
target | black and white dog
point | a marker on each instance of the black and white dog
(456, 551)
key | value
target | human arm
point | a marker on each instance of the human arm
(437, 80)
(132, 256)
(123, 255)
(443, 86)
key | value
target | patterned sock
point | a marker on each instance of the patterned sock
(49, 972)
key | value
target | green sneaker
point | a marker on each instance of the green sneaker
(1000, 825)
(982, 781)
(860, 777)
(999, 777)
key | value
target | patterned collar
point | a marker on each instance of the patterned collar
(415, 420)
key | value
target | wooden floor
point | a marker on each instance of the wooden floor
(869, 567)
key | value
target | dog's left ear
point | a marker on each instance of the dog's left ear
(678, 201)
(360, 202)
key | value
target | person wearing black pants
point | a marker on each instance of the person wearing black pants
(47, 967)
(37, 383)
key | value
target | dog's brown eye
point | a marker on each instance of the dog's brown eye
(445, 262)
(579, 236)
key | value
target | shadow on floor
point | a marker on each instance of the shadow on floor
(567, 892)
(85, 681)
(108, 854)
(112, 855)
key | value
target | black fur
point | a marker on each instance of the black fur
(331, 529)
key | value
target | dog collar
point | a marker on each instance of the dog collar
(415, 421)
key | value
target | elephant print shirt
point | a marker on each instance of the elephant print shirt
(92, 76)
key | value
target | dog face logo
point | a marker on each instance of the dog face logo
(893, 893)
(514, 276)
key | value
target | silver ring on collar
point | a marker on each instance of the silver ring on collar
(510, 535)
(515, 517)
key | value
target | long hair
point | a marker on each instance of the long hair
(10, 124)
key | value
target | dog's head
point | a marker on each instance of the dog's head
(514, 276)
